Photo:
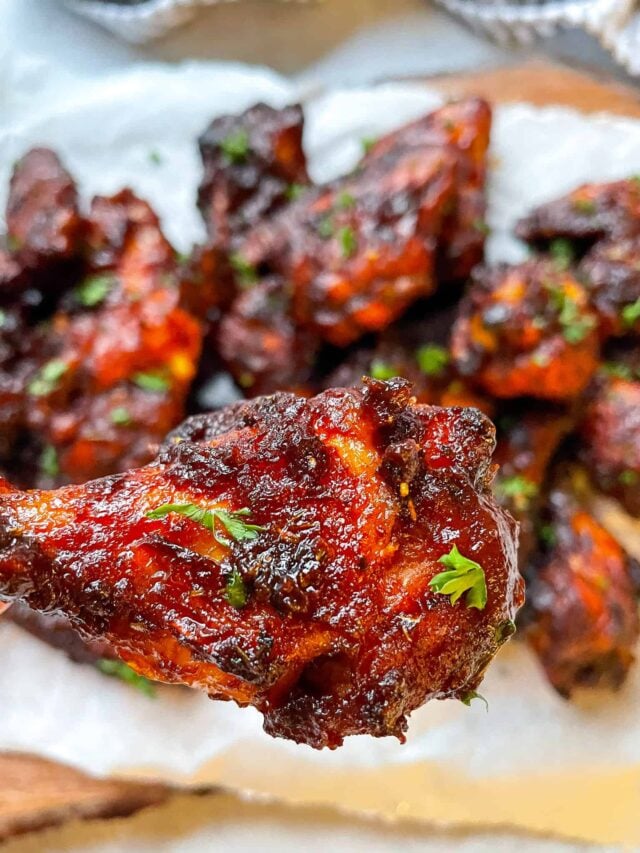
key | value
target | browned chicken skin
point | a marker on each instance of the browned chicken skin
(611, 274)
(582, 603)
(289, 554)
(527, 330)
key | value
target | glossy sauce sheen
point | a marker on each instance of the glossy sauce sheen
(360, 493)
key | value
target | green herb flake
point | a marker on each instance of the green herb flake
(575, 327)
(119, 669)
(294, 191)
(348, 241)
(547, 535)
(120, 416)
(518, 489)
(504, 631)
(562, 253)
(93, 290)
(236, 146)
(155, 157)
(463, 577)
(236, 590)
(367, 143)
(584, 205)
(47, 378)
(617, 370)
(345, 201)
(628, 477)
(3, 318)
(381, 370)
(481, 226)
(631, 314)
(325, 228)
(246, 273)
(49, 461)
(156, 383)
(432, 359)
(231, 521)
(468, 698)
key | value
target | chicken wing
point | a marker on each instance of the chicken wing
(586, 214)
(582, 602)
(611, 274)
(254, 164)
(335, 561)
(120, 353)
(610, 433)
(527, 330)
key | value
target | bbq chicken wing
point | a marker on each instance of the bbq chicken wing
(528, 438)
(611, 274)
(582, 602)
(610, 434)
(589, 213)
(334, 562)
(527, 330)
(120, 354)
(254, 164)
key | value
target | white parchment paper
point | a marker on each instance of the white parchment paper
(534, 761)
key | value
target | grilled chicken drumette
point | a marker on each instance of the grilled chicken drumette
(335, 561)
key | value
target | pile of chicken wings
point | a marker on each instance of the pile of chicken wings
(109, 338)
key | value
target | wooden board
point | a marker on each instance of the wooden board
(35, 793)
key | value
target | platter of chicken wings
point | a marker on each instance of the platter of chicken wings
(329, 460)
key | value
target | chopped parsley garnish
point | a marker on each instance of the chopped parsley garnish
(231, 521)
(628, 477)
(505, 630)
(575, 327)
(432, 359)
(13, 243)
(49, 461)
(345, 201)
(481, 226)
(562, 253)
(617, 370)
(631, 313)
(541, 359)
(236, 146)
(325, 228)
(584, 205)
(154, 382)
(246, 273)
(294, 191)
(236, 591)
(468, 698)
(154, 157)
(518, 488)
(120, 416)
(47, 378)
(3, 318)
(94, 289)
(463, 577)
(547, 535)
(379, 369)
(348, 241)
(368, 142)
(119, 669)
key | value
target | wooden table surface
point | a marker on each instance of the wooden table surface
(35, 793)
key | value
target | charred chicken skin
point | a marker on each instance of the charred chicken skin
(611, 273)
(582, 603)
(527, 330)
(335, 561)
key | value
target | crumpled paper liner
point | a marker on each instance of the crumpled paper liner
(615, 23)
(144, 21)
(534, 761)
